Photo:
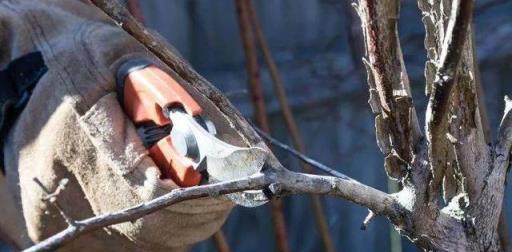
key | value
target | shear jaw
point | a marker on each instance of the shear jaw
(221, 160)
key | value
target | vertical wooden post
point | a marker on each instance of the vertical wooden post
(219, 239)
(260, 113)
(291, 124)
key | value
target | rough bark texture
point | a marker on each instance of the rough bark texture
(456, 157)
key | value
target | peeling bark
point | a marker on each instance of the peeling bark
(390, 95)
(456, 159)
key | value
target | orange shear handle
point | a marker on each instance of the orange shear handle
(146, 91)
(149, 90)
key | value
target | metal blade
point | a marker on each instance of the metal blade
(223, 161)
(241, 162)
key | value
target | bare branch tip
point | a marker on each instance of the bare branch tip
(371, 215)
(508, 101)
(51, 197)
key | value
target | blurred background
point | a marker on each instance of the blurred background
(317, 47)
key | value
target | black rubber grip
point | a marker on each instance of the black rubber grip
(123, 71)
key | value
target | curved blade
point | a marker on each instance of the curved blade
(239, 163)
(223, 161)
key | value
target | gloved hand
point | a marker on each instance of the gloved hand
(73, 127)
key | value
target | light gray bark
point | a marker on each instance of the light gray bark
(454, 158)
(280, 183)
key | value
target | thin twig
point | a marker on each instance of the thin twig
(367, 220)
(51, 197)
(258, 101)
(235, 93)
(300, 156)
(291, 124)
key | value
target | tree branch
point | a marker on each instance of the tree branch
(51, 197)
(299, 155)
(461, 229)
(486, 128)
(282, 183)
(442, 158)
(138, 211)
(469, 122)
(453, 46)
(397, 125)
(459, 153)
(350, 189)
(457, 144)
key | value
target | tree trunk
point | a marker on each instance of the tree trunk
(454, 156)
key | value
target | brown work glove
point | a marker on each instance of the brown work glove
(74, 128)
